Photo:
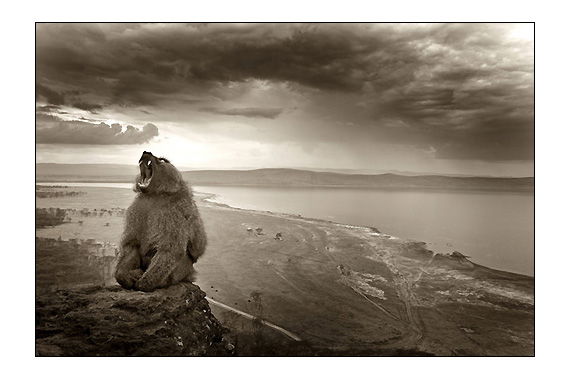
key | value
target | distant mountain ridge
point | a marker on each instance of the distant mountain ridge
(295, 177)
(285, 177)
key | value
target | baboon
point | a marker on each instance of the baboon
(163, 234)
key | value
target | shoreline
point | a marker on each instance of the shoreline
(370, 230)
(398, 282)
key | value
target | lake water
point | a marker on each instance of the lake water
(494, 229)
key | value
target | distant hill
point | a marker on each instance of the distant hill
(283, 177)
(294, 177)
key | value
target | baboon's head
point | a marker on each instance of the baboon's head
(157, 175)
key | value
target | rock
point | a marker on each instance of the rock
(111, 321)
(455, 260)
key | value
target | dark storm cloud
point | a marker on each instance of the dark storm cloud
(87, 106)
(53, 130)
(50, 95)
(249, 112)
(141, 61)
(462, 91)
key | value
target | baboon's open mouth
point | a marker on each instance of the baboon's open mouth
(145, 172)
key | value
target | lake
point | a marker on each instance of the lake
(494, 229)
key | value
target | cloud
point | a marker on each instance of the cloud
(50, 95)
(81, 132)
(170, 58)
(249, 112)
(49, 109)
(87, 106)
(464, 90)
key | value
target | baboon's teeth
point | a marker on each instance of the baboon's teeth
(144, 183)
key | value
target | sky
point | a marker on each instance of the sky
(417, 98)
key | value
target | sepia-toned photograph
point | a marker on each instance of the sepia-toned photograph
(284, 189)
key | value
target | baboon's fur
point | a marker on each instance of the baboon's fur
(163, 233)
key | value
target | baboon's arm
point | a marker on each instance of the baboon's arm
(128, 267)
(170, 249)
(197, 239)
(159, 272)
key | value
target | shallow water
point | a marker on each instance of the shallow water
(494, 229)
